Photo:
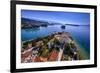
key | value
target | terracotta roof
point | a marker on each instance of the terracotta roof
(53, 56)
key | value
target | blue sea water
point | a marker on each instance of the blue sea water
(80, 33)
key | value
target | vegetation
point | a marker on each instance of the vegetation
(48, 52)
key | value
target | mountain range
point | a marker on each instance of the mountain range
(33, 23)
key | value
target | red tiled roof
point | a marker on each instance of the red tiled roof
(53, 56)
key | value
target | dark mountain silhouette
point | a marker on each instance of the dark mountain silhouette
(76, 25)
(34, 23)
(31, 23)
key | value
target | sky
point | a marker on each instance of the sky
(58, 17)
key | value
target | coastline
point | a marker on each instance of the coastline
(82, 51)
(82, 55)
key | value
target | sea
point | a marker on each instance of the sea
(81, 34)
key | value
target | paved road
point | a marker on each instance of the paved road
(60, 54)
